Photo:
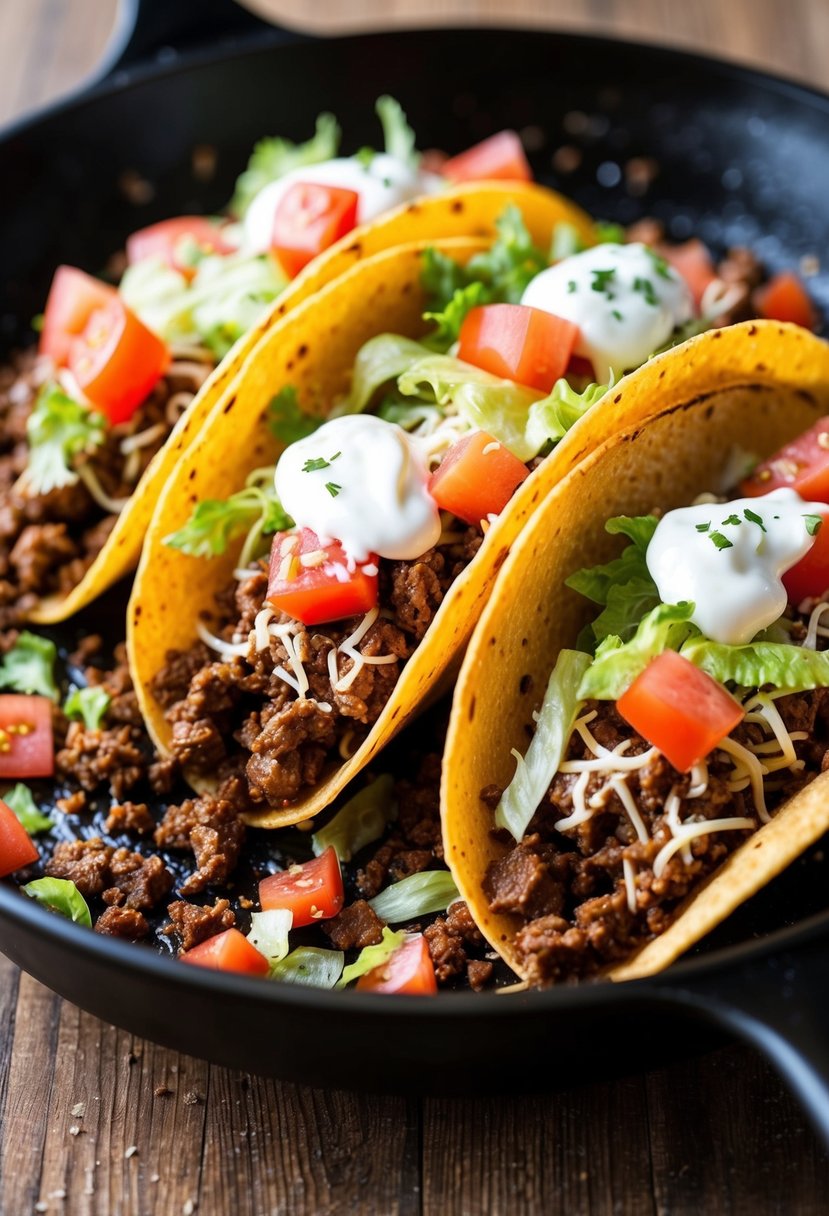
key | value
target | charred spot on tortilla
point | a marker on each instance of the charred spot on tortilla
(229, 405)
(191, 476)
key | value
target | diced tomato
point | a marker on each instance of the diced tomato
(312, 891)
(117, 361)
(73, 297)
(26, 737)
(802, 465)
(784, 298)
(228, 951)
(693, 261)
(313, 582)
(811, 574)
(175, 240)
(17, 849)
(518, 342)
(476, 478)
(679, 709)
(500, 157)
(409, 970)
(309, 217)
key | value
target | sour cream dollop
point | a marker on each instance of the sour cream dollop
(382, 183)
(728, 558)
(625, 300)
(361, 481)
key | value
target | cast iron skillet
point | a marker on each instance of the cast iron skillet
(743, 158)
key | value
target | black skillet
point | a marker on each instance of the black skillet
(742, 158)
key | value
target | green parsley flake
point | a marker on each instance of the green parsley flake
(733, 520)
(813, 524)
(659, 264)
(754, 518)
(703, 527)
(572, 286)
(616, 314)
(720, 541)
(332, 488)
(601, 279)
(647, 290)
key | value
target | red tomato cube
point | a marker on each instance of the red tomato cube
(117, 361)
(170, 240)
(784, 298)
(810, 577)
(476, 478)
(693, 261)
(309, 217)
(500, 157)
(803, 465)
(17, 849)
(518, 343)
(679, 709)
(73, 297)
(408, 971)
(316, 583)
(228, 951)
(26, 748)
(313, 891)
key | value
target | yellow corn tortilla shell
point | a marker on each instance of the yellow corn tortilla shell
(752, 387)
(465, 211)
(313, 349)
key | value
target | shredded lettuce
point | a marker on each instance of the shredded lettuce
(379, 361)
(618, 663)
(362, 820)
(373, 956)
(408, 414)
(452, 317)
(273, 158)
(285, 418)
(398, 136)
(566, 241)
(624, 585)
(269, 933)
(536, 769)
(793, 668)
(29, 666)
(89, 703)
(417, 895)
(310, 966)
(21, 800)
(552, 417)
(62, 896)
(59, 429)
(215, 522)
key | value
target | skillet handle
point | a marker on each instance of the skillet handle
(779, 1004)
(152, 30)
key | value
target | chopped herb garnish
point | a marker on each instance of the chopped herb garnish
(601, 279)
(733, 520)
(703, 527)
(332, 488)
(720, 541)
(311, 466)
(754, 518)
(647, 290)
(58, 430)
(616, 314)
(813, 524)
(572, 286)
(29, 666)
(659, 264)
(364, 157)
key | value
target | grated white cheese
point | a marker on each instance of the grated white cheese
(814, 630)
(349, 648)
(630, 882)
(261, 634)
(114, 506)
(228, 649)
(627, 800)
(688, 831)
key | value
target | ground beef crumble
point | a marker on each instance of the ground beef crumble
(569, 890)
(193, 925)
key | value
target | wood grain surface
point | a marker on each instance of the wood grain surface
(96, 1123)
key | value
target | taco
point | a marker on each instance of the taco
(385, 530)
(125, 376)
(639, 729)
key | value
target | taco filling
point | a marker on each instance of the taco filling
(697, 707)
(354, 539)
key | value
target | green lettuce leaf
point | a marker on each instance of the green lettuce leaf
(273, 158)
(20, 800)
(29, 666)
(379, 361)
(269, 933)
(566, 241)
(59, 429)
(536, 769)
(552, 417)
(373, 956)
(441, 277)
(417, 895)
(794, 668)
(62, 896)
(362, 820)
(215, 522)
(448, 322)
(618, 663)
(398, 136)
(285, 418)
(89, 703)
(624, 585)
(311, 966)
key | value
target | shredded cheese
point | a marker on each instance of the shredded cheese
(688, 831)
(630, 882)
(349, 648)
(113, 506)
(228, 649)
(814, 630)
(754, 769)
(627, 800)
(261, 635)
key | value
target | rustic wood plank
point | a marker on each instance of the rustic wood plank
(579, 1151)
(727, 1138)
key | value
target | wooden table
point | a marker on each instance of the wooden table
(96, 1123)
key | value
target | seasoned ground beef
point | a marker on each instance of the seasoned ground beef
(355, 927)
(224, 711)
(569, 889)
(448, 939)
(117, 875)
(48, 541)
(134, 817)
(128, 923)
(192, 924)
(213, 830)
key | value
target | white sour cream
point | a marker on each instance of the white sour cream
(729, 566)
(625, 300)
(385, 182)
(372, 494)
